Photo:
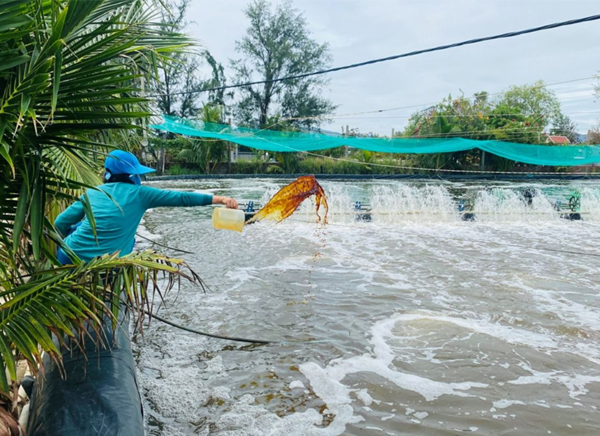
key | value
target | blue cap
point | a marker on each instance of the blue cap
(123, 162)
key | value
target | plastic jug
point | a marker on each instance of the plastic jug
(228, 219)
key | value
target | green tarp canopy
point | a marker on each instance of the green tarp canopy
(269, 140)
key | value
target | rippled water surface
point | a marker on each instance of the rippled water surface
(414, 323)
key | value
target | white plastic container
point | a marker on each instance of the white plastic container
(228, 219)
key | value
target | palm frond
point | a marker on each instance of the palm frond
(70, 300)
(70, 75)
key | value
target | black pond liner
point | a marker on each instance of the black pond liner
(100, 398)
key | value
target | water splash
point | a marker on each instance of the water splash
(412, 203)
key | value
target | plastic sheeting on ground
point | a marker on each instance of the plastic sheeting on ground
(97, 397)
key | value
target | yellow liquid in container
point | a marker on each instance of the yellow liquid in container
(228, 219)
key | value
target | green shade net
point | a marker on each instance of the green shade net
(270, 140)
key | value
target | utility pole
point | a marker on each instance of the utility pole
(229, 151)
(482, 160)
(347, 133)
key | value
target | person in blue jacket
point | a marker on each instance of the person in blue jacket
(118, 206)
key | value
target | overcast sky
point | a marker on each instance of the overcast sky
(359, 30)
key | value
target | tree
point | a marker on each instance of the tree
(536, 102)
(521, 114)
(453, 117)
(278, 44)
(177, 79)
(593, 135)
(207, 153)
(563, 125)
(178, 87)
(69, 77)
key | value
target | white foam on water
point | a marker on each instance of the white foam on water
(215, 365)
(506, 333)
(509, 205)
(581, 315)
(575, 383)
(174, 431)
(327, 382)
(243, 275)
(410, 203)
(248, 419)
(503, 404)
(590, 204)
(178, 395)
(364, 396)
(296, 384)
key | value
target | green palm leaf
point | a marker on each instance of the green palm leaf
(70, 74)
(61, 301)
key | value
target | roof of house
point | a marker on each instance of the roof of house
(556, 139)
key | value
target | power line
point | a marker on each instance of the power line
(377, 111)
(429, 105)
(399, 118)
(485, 114)
(399, 56)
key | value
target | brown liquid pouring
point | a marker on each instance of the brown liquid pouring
(287, 200)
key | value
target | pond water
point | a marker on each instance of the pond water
(413, 323)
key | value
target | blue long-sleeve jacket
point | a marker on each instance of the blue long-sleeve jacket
(118, 209)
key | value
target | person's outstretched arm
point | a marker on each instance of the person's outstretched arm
(153, 197)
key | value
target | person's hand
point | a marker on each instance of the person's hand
(230, 203)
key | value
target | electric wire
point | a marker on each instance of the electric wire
(399, 56)
(428, 105)
(485, 114)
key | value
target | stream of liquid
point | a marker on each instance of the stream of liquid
(285, 202)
